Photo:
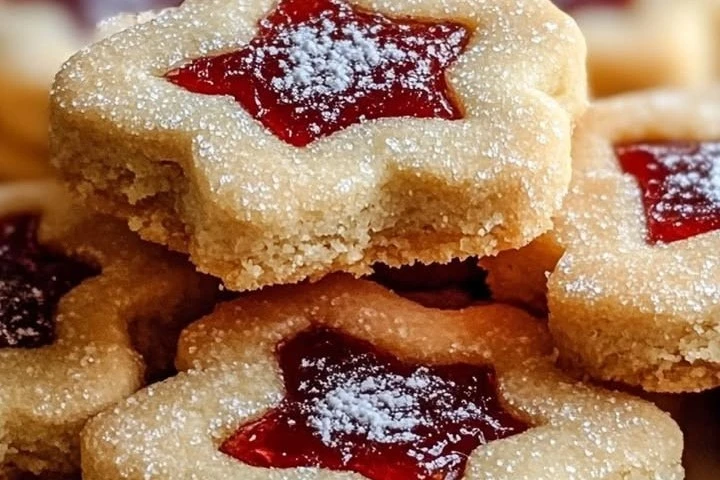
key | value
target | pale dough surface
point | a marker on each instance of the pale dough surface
(199, 174)
(173, 430)
(47, 393)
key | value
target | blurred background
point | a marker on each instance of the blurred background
(632, 45)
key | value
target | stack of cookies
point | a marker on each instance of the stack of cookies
(387, 239)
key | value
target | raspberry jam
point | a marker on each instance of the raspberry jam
(88, 13)
(351, 407)
(33, 281)
(680, 182)
(570, 5)
(318, 66)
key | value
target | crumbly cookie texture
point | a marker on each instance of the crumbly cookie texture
(201, 175)
(620, 38)
(623, 308)
(48, 393)
(173, 429)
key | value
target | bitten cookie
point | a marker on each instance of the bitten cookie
(636, 298)
(639, 44)
(279, 141)
(343, 379)
(87, 312)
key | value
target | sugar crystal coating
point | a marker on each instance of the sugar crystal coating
(351, 407)
(32, 281)
(317, 67)
(249, 208)
(681, 186)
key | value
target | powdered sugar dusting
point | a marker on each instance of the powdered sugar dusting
(692, 186)
(351, 407)
(681, 186)
(373, 404)
(328, 57)
(314, 69)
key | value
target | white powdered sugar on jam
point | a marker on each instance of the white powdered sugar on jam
(338, 57)
(370, 404)
(692, 186)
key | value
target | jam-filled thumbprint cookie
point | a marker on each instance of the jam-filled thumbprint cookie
(36, 37)
(88, 312)
(343, 379)
(282, 140)
(636, 297)
(639, 44)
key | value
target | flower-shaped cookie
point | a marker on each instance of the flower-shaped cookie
(87, 312)
(36, 37)
(343, 379)
(278, 141)
(637, 44)
(636, 297)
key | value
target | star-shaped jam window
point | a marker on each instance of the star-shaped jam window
(571, 5)
(349, 406)
(680, 182)
(32, 282)
(318, 66)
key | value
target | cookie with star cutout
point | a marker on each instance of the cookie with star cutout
(635, 298)
(36, 37)
(279, 141)
(344, 379)
(88, 312)
(640, 44)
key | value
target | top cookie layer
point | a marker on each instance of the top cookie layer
(197, 172)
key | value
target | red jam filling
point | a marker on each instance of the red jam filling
(680, 182)
(571, 5)
(88, 13)
(352, 407)
(33, 280)
(318, 66)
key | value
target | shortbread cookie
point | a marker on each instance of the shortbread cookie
(343, 376)
(638, 44)
(636, 297)
(36, 37)
(278, 141)
(449, 287)
(87, 312)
